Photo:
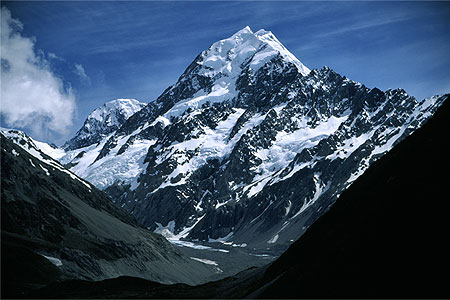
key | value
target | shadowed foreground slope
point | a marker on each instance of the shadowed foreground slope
(46, 211)
(386, 236)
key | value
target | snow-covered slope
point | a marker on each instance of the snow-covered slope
(248, 145)
(111, 168)
(82, 150)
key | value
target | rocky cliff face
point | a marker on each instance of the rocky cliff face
(249, 145)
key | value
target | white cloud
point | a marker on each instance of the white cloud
(32, 96)
(79, 70)
(52, 55)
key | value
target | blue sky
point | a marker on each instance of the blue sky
(106, 50)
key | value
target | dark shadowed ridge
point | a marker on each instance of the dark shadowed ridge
(385, 237)
(46, 211)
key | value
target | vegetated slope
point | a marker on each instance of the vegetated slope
(48, 211)
(385, 237)
(249, 146)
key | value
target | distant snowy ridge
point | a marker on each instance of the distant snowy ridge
(82, 150)
(103, 121)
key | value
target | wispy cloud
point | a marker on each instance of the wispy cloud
(32, 96)
(81, 73)
(52, 55)
(366, 21)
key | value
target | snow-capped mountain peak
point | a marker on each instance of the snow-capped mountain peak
(103, 121)
(245, 49)
(227, 68)
(269, 38)
(245, 30)
(112, 110)
(248, 140)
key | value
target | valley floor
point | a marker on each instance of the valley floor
(228, 260)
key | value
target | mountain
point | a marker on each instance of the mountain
(103, 121)
(57, 226)
(31, 145)
(383, 238)
(249, 147)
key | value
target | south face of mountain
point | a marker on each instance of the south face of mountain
(383, 238)
(249, 146)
